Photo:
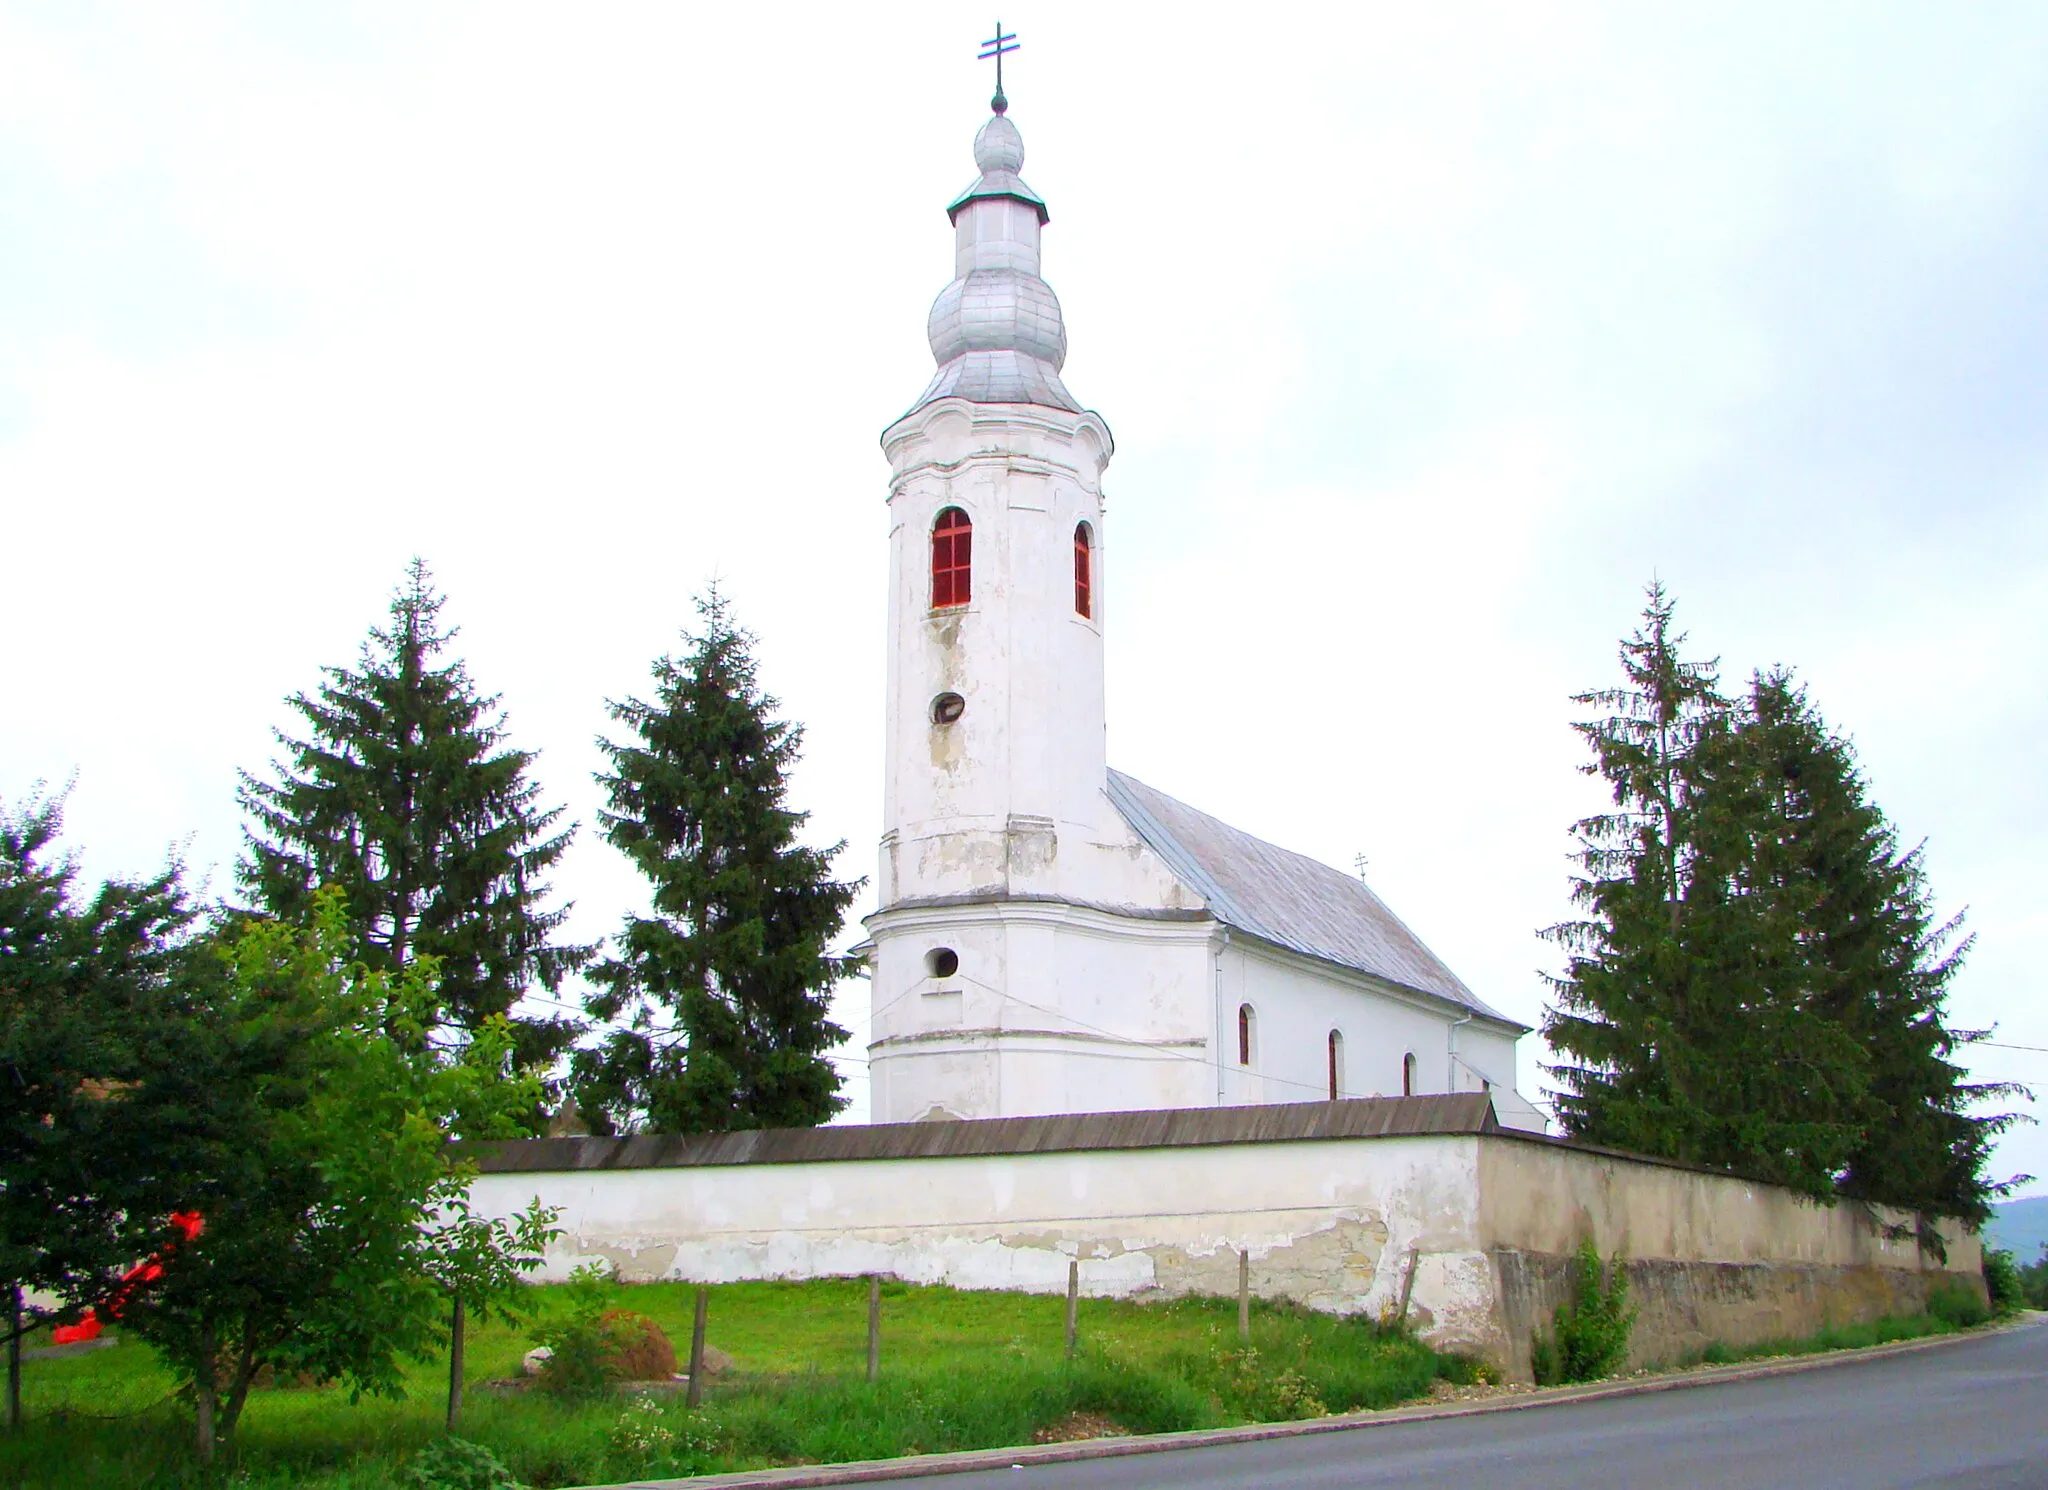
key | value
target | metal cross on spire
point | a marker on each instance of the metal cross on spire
(995, 47)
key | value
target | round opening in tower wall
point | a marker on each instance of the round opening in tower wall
(948, 707)
(942, 962)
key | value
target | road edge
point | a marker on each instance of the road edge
(966, 1461)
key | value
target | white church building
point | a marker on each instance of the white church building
(1142, 1014)
(1052, 935)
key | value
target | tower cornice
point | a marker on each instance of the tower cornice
(986, 420)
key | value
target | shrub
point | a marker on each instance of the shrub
(1589, 1334)
(2002, 1282)
(1957, 1305)
(588, 1341)
(456, 1464)
(2034, 1281)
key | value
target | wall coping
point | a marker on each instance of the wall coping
(1440, 1115)
(1437, 1115)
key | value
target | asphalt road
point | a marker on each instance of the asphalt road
(1970, 1415)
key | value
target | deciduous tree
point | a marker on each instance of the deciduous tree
(333, 1205)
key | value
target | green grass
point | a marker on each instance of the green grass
(1881, 1331)
(959, 1370)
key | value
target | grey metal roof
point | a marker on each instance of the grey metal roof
(1173, 1127)
(996, 332)
(1287, 898)
(999, 377)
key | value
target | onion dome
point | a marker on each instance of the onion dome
(996, 330)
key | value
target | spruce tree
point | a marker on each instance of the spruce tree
(1686, 1017)
(404, 795)
(1879, 963)
(87, 999)
(721, 994)
(1786, 1082)
(1629, 1018)
(1757, 980)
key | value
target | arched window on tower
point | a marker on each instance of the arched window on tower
(1408, 1074)
(1247, 1034)
(1336, 1064)
(952, 559)
(1084, 571)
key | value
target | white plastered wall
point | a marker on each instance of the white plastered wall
(1329, 1224)
(1343, 1225)
(1053, 1008)
(1296, 1002)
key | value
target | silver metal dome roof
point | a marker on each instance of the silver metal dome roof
(996, 331)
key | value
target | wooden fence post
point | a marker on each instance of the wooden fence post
(695, 1392)
(1073, 1303)
(1407, 1286)
(874, 1327)
(1244, 1295)
(455, 1324)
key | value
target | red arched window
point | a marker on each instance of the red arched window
(952, 559)
(1408, 1074)
(1247, 1031)
(1084, 572)
(1336, 1064)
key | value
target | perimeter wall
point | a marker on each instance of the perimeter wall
(1473, 1229)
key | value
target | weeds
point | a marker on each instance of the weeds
(1881, 1331)
(456, 1464)
(1589, 1334)
(1957, 1305)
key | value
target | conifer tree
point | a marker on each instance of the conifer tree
(87, 994)
(1686, 1018)
(1756, 982)
(1630, 1019)
(1878, 963)
(722, 993)
(404, 795)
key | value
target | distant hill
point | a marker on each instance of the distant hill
(2020, 1227)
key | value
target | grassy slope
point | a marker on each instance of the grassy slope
(960, 1370)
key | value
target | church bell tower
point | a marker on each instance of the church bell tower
(995, 729)
(997, 832)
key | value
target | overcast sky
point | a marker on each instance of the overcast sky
(1428, 334)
